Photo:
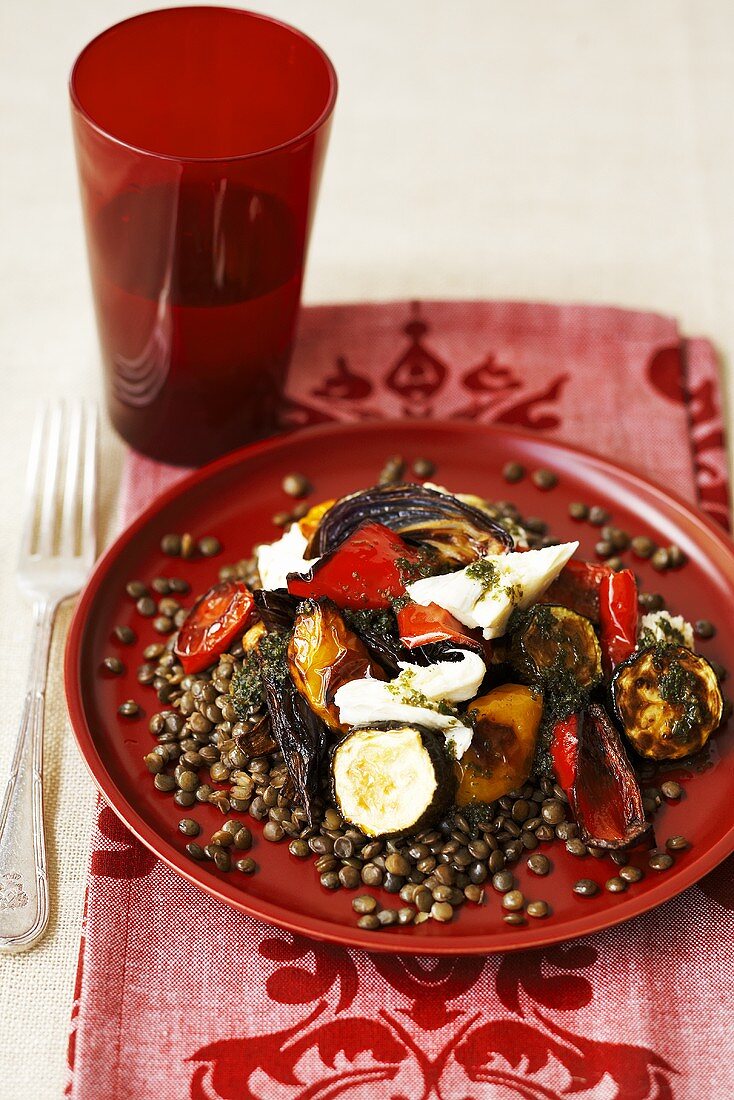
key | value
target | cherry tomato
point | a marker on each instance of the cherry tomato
(213, 623)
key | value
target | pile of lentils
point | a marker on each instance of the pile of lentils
(198, 758)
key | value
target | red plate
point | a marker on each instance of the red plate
(234, 499)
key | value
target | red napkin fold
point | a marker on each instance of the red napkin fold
(180, 997)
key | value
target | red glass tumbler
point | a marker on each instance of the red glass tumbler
(200, 135)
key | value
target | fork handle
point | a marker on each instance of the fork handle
(24, 905)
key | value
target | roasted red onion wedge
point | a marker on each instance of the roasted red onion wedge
(458, 532)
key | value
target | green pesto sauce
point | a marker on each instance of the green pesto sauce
(490, 577)
(405, 693)
(426, 565)
(246, 687)
(371, 621)
(677, 685)
(486, 572)
(673, 636)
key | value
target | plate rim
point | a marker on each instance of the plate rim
(315, 927)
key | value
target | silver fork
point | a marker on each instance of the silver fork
(58, 548)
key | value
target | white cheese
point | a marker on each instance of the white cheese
(444, 681)
(660, 626)
(275, 560)
(364, 702)
(517, 581)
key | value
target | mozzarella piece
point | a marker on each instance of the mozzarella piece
(448, 681)
(485, 593)
(660, 626)
(365, 702)
(275, 560)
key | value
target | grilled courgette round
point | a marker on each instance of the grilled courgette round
(553, 642)
(391, 779)
(667, 700)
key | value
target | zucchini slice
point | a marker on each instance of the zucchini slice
(667, 700)
(552, 642)
(391, 779)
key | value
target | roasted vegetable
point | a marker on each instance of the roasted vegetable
(506, 723)
(213, 623)
(617, 618)
(246, 687)
(551, 644)
(667, 700)
(419, 626)
(391, 779)
(301, 736)
(458, 532)
(378, 631)
(323, 654)
(313, 517)
(256, 740)
(277, 607)
(577, 587)
(602, 789)
(369, 569)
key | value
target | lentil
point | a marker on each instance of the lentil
(586, 887)
(369, 920)
(146, 606)
(677, 843)
(513, 472)
(208, 546)
(188, 545)
(247, 865)
(544, 479)
(704, 629)
(423, 467)
(598, 516)
(578, 511)
(615, 885)
(537, 909)
(195, 851)
(513, 899)
(128, 709)
(296, 485)
(113, 665)
(514, 918)
(676, 557)
(660, 861)
(630, 873)
(125, 635)
(671, 789)
(660, 560)
(539, 864)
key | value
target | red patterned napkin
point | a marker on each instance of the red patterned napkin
(180, 997)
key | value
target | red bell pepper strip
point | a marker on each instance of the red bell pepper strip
(593, 770)
(617, 618)
(367, 570)
(577, 587)
(418, 625)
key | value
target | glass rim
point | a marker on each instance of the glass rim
(296, 139)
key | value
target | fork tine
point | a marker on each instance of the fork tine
(71, 500)
(89, 485)
(49, 492)
(33, 480)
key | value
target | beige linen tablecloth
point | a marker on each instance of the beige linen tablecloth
(550, 149)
